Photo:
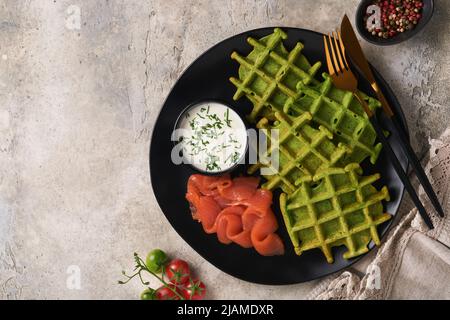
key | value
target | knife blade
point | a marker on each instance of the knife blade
(354, 50)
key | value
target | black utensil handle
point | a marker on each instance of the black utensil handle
(417, 167)
(400, 172)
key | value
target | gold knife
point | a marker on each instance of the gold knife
(354, 50)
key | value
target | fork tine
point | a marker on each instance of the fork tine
(342, 49)
(338, 52)
(333, 54)
(327, 56)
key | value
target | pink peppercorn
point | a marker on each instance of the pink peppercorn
(397, 16)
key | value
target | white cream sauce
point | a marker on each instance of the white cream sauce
(214, 137)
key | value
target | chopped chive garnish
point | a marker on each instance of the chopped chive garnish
(227, 118)
(209, 139)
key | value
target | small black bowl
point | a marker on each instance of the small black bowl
(427, 12)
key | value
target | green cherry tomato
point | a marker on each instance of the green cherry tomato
(156, 260)
(148, 294)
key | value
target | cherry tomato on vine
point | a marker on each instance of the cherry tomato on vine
(156, 260)
(148, 294)
(165, 293)
(177, 271)
(194, 290)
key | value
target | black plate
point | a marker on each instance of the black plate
(205, 79)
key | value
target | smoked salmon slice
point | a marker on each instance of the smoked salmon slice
(236, 210)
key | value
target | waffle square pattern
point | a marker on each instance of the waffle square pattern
(301, 151)
(337, 206)
(276, 80)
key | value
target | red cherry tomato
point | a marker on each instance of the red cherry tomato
(164, 293)
(194, 290)
(177, 271)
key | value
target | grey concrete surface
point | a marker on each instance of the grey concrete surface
(76, 111)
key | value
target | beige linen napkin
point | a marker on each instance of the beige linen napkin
(413, 263)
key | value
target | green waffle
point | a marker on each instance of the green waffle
(302, 150)
(269, 75)
(274, 79)
(340, 112)
(336, 207)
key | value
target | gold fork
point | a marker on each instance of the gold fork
(343, 78)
